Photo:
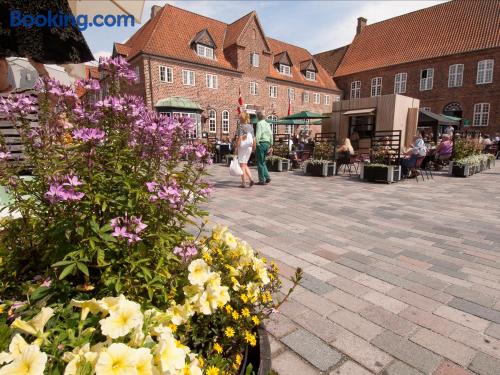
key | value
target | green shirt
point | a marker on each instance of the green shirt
(264, 133)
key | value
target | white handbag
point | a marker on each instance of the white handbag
(235, 169)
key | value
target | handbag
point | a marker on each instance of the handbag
(235, 169)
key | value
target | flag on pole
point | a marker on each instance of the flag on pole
(289, 106)
(240, 101)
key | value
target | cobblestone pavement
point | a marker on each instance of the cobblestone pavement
(400, 279)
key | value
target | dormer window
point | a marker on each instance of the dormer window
(310, 75)
(205, 51)
(285, 69)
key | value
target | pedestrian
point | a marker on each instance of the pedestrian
(246, 144)
(264, 142)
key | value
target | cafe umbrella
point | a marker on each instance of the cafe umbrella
(105, 8)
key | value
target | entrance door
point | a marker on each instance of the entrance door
(453, 109)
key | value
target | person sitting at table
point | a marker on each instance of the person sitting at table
(344, 153)
(445, 148)
(418, 150)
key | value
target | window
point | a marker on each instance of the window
(426, 109)
(137, 74)
(484, 72)
(288, 129)
(310, 75)
(355, 89)
(212, 81)
(336, 98)
(376, 86)
(426, 79)
(455, 75)
(291, 94)
(400, 83)
(327, 99)
(285, 69)
(205, 51)
(188, 78)
(253, 88)
(481, 114)
(272, 119)
(305, 97)
(316, 98)
(225, 122)
(254, 59)
(273, 91)
(212, 121)
(166, 74)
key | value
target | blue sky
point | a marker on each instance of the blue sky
(314, 25)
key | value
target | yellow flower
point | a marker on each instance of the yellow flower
(235, 315)
(230, 240)
(30, 362)
(207, 257)
(229, 332)
(180, 313)
(34, 326)
(144, 365)
(91, 306)
(119, 359)
(212, 371)
(244, 298)
(171, 357)
(255, 320)
(173, 327)
(229, 309)
(199, 272)
(238, 359)
(123, 319)
(217, 348)
(250, 338)
(245, 312)
(77, 358)
(1, 309)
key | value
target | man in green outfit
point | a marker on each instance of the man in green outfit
(264, 141)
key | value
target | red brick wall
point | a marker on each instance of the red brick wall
(440, 95)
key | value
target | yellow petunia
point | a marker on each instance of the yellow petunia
(118, 359)
(30, 362)
(122, 319)
(34, 326)
(199, 272)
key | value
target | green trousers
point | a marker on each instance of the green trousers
(261, 152)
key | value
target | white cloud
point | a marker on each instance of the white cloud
(102, 54)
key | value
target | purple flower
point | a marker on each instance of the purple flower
(5, 155)
(89, 134)
(120, 232)
(73, 181)
(127, 228)
(186, 252)
(64, 191)
(151, 186)
(88, 84)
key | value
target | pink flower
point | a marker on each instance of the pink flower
(186, 252)
(89, 134)
(127, 228)
(5, 155)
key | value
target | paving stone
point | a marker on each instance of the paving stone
(462, 318)
(349, 286)
(400, 368)
(388, 303)
(414, 299)
(315, 285)
(475, 309)
(318, 325)
(291, 308)
(316, 351)
(290, 363)
(350, 368)
(355, 265)
(388, 320)
(414, 262)
(361, 351)
(441, 345)
(327, 254)
(276, 346)
(356, 324)
(431, 282)
(485, 365)
(373, 283)
(279, 325)
(449, 272)
(347, 300)
(470, 295)
(359, 258)
(477, 341)
(448, 368)
(408, 352)
(493, 330)
(317, 303)
(430, 321)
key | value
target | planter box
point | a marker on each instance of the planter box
(258, 356)
(278, 165)
(463, 171)
(321, 170)
(389, 174)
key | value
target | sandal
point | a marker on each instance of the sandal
(242, 186)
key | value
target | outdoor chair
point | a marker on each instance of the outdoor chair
(417, 169)
(351, 163)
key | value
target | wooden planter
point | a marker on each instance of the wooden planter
(259, 356)
(321, 170)
(388, 174)
(278, 165)
(462, 170)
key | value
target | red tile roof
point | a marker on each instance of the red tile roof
(122, 49)
(92, 71)
(331, 60)
(450, 28)
(170, 32)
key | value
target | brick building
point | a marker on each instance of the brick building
(448, 56)
(195, 65)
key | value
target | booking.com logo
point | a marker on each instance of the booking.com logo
(51, 19)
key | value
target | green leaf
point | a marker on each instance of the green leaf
(62, 263)
(100, 257)
(39, 293)
(80, 230)
(83, 267)
(67, 271)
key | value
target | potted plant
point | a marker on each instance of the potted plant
(469, 165)
(377, 172)
(319, 167)
(100, 272)
(277, 163)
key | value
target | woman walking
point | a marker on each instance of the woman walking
(246, 144)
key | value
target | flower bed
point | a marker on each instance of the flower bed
(277, 164)
(100, 273)
(319, 168)
(470, 165)
(373, 172)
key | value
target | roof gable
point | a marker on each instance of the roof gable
(204, 37)
(331, 60)
(308, 65)
(446, 29)
(283, 58)
(236, 30)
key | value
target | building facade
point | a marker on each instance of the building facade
(204, 65)
(447, 56)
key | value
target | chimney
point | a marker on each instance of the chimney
(154, 10)
(361, 25)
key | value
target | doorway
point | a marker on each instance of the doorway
(453, 109)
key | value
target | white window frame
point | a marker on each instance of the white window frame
(255, 59)
(456, 75)
(212, 121)
(428, 82)
(225, 122)
(485, 71)
(336, 98)
(305, 97)
(254, 88)
(273, 91)
(205, 51)
(285, 69)
(310, 75)
(212, 81)
(291, 93)
(288, 129)
(400, 83)
(137, 74)
(316, 98)
(426, 109)
(355, 89)
(274, 127)
(168, 74)
(376, 86)
(327, 100)
(481, 114)
(188, 77)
